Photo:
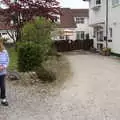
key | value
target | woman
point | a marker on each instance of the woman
(4, 60)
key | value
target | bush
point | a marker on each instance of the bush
(45, 75)
(38, 31)
(36, 44)
(29, 57)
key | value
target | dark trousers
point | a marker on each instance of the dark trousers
(2, 86)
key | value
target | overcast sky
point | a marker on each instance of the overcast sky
(73, 3)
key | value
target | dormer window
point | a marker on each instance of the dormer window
(79, 20)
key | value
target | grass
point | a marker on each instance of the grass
(13, 59)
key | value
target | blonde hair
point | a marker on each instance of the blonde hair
(1, 45)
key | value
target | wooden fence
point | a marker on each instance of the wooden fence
(69, 45)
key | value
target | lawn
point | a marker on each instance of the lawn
(13, 58)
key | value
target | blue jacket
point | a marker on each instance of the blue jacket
(4, 60)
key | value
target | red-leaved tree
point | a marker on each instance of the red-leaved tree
(21, 11)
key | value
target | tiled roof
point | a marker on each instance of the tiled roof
(67, 17)
(3, 25)
(80, 12)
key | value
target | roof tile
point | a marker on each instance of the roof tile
(67, 17)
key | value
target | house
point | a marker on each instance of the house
(6, 31)
(104, 20)
(115, 26)
(73, 24)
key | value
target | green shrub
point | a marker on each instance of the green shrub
(35, 45)
(29, 57)
(38, 31)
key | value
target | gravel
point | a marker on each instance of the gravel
(92, 93)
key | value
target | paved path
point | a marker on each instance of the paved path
(93, 93)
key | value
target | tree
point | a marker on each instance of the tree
(22, 11)
(35, 45)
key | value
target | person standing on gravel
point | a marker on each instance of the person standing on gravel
(4, 61)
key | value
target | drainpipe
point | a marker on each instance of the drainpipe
(106, 23)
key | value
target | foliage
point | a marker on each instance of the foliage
(29, 56)
(106, 49)
(21, 11)
(35, 45)
(38, 31)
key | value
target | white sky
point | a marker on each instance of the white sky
(73, 3)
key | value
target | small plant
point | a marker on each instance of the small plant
(106, 51)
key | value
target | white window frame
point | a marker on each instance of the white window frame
(98, 3)
(80, 20)
(111, 32)
(100, 35)
(61, 37)
(95, 4)
(80, 35)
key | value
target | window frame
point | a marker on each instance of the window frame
(80, 35)
(98, 2)
(100, 35)
(80, 20)
(4, 33)
(111, 32)
(61, 37)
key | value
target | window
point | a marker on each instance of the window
(99, 46)
(80, 20)
(115, 2)
(98, 2)
(67, 37)
(61, 37)
(80, 35)
(4, 33)
(110, 30)
(57, 19)
(94, 32)
(100, 36)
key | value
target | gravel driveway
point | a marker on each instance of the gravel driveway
(92, 93)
